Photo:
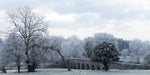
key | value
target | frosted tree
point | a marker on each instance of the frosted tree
(55, 41)
(35, 54)
(88, 46)
(3, 62)
(136, 50)
(28, 24)
(146, 48)
(100, 37)
(91, 42)
(38, 53)
(13, 51)
(72, 48)
(124, 55)
(105, 53)
(147, 58)
(43, 54)
(1, 43)
(123, 44)
(55, 45)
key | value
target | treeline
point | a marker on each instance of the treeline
(135, 51)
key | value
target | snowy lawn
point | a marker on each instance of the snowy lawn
(80, 72)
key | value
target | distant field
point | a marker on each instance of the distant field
(80, 72)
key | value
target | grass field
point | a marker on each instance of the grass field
(80, 72)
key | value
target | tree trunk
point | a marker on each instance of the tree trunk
(106, 67)
(65, 63)
(3, 69)
(18, 68)
(31, 68)
(18, 64)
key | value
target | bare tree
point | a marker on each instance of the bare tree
(2, 61)
(54, 44)
(29, 25)
(12, 51)
(62, 57)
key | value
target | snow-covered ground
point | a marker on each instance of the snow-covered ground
(80, 72)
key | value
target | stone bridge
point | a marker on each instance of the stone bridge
(84, 64)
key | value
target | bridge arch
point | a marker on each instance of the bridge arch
(74, 65)
(78, 66)
(98, 68)
(93, 67)
(87, 66)
(70, 64)
(82, 66)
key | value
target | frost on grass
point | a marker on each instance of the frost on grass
(80, 72)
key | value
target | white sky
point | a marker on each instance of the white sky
(127, 19)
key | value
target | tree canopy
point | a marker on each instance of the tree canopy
(105, 53)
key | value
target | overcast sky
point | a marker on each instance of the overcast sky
(127, 19)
